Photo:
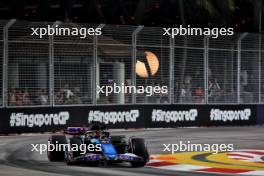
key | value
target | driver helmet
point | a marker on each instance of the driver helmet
(96, 131)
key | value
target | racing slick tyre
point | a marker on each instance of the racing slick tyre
(70, 155)
(138, 147)
(56, 155)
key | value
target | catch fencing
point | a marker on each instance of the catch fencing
(67, 70)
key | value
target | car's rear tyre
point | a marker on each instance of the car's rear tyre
(56, 155)
(139, 148)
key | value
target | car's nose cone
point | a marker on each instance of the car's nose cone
(109, 151)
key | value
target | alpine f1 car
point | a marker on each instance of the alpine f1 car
(94, 145)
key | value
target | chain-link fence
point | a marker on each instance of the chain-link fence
(2, 23)
(69, 70)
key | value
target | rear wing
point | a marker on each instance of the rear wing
(76, 130)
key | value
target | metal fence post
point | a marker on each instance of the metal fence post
(5, 62)
(51, 67)
(206, 50)
(134, 55)
(95, 64)
(259, 70)
(172, 89)
(239, 64)
(232, 68)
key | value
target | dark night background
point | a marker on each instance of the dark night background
(242, 15)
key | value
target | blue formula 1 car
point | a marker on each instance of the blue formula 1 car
(94, 145)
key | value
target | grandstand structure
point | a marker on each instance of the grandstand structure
(66, 70)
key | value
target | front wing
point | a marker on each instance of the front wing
(91, 157)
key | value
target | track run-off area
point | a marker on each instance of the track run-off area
(247, 158)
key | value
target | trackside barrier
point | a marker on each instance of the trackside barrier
(22, 120)
(260, 114)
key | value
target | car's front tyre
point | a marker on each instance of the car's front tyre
(139, 148)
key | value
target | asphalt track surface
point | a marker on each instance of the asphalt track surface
(17, 159)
